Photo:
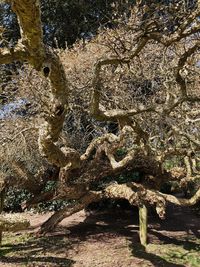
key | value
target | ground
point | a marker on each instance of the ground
(106, 239)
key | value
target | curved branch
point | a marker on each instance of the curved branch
(182, 201)
(187, 28)
(116, 165)
(35, 200)
(58, 216)
(188, 136)
(17, 53)
(45, 60)
(136, 195)
(95, 108)
(109, 138)
(29, 18)
(183, 59)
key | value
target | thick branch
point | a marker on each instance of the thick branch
(17, 53)
(29, 17)
(13, 223)
(122, 163)
(182, 201)
(97, 142)
(136, 195)
(46, 196)
(58, 216)
(183, 59)
(45, 60)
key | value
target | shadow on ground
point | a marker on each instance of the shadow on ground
(177, 229)
(37, 250)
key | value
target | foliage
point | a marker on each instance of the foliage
(52, 205)
(66, 21)
(14, 199)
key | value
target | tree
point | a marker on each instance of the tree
(144, 77)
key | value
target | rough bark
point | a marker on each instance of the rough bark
(136, 194)
(29, 18)
(48, 63)
(58, 216)
(143, 224)
(17, 53)
(79, 172)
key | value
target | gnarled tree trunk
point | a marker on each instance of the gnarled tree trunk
(78, 173)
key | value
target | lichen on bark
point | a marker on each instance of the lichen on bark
(78, 173)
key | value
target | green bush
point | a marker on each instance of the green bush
(15, 197)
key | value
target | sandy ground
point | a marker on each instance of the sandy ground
(108, 239)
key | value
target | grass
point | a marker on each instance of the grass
(27, 250)
(178, 254)
(166, 255)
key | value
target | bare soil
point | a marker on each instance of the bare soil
(106, 239)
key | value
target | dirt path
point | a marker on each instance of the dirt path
(107, 240)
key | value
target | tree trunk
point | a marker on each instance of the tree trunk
(58, 216)
(143, 224)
